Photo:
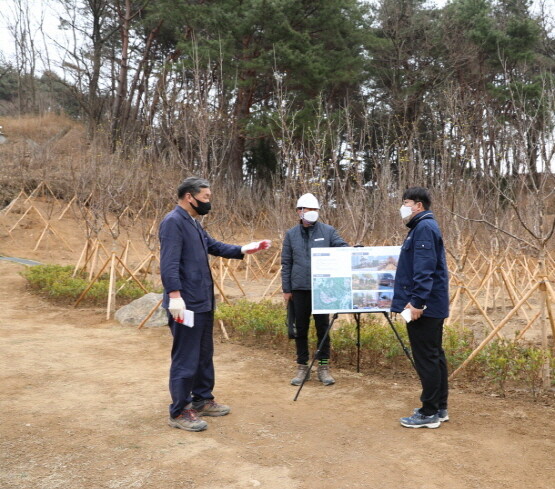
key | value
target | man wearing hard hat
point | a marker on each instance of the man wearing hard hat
(297, 286)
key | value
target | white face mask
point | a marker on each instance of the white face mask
(310, 216)
(405, 211)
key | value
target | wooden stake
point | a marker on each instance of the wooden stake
(137, 281)
(222, 292)
(149, 315)
(527, 327)
(92, 283)
(13, 202)
(111, 286)
(224, 332)
(495, 331)
(551, 316)
(67, 207)
(277, 274)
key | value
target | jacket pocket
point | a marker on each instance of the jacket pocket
(422, 245)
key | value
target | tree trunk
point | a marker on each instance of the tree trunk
(241, 113)
(121, 90)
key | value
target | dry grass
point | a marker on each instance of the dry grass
(36, 128)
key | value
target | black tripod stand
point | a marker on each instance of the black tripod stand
(357, 320)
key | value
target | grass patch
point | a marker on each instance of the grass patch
(57, 283)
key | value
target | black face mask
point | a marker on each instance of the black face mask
(202, 208)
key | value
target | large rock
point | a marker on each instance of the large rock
(134, 313)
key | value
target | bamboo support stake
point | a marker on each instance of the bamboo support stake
(67, 207)
(33, 192)
(481, 310)
(123, 257)
(527, 327)
(92, 283)
(271, 283)
(149, 315)
(7, 210)
(236, 281)
(512, 293)
(40, 237)
(488, 338)
(94, 258)
(221, 268)
(139, 212)
(551, 316)
(53, 231)
(451, 319)
(222, 293)
(111, 286)
(21, 218)
(276, 290)
(261, 270)
(224, 331)
(138, 282)
(139, 267)
(83, 253)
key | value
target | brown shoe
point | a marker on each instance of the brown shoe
(211, 408)
(188, 420)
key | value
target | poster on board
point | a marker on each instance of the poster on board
(353, 279)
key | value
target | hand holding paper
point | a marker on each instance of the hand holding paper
(177, 308)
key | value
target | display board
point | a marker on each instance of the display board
(353, 279)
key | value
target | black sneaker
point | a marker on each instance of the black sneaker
(418, 420)
(443, 415)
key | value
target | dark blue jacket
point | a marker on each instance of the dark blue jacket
(184, 249)
(295, 254)
(422, 276)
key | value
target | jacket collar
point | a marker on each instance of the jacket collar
(419, 217)
(184, 213)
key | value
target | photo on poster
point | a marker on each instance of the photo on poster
(367, 261)
(365, 280)
(372, 300)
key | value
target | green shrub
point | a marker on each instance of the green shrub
(499, 360)
(528, 366)
(246, 319)
(56, 282)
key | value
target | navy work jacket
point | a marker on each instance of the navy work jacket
(184, 266)
(422, 276)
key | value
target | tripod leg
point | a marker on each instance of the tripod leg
(405, 349)
(316, 354)
(357, 319)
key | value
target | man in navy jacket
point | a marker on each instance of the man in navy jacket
(188, 286)
(422, 287)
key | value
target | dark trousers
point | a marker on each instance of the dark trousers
(302, 303)
(192, 367)
(426, 335)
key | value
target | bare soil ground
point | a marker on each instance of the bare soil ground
(84, 405)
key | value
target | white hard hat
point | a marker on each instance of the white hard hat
(308, 201)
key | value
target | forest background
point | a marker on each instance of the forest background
(353, 101)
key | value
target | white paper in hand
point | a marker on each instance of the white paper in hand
(189, 318)
(407, 315)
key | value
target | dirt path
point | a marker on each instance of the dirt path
(84, 405)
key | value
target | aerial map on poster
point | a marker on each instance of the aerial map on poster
(353, 279)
